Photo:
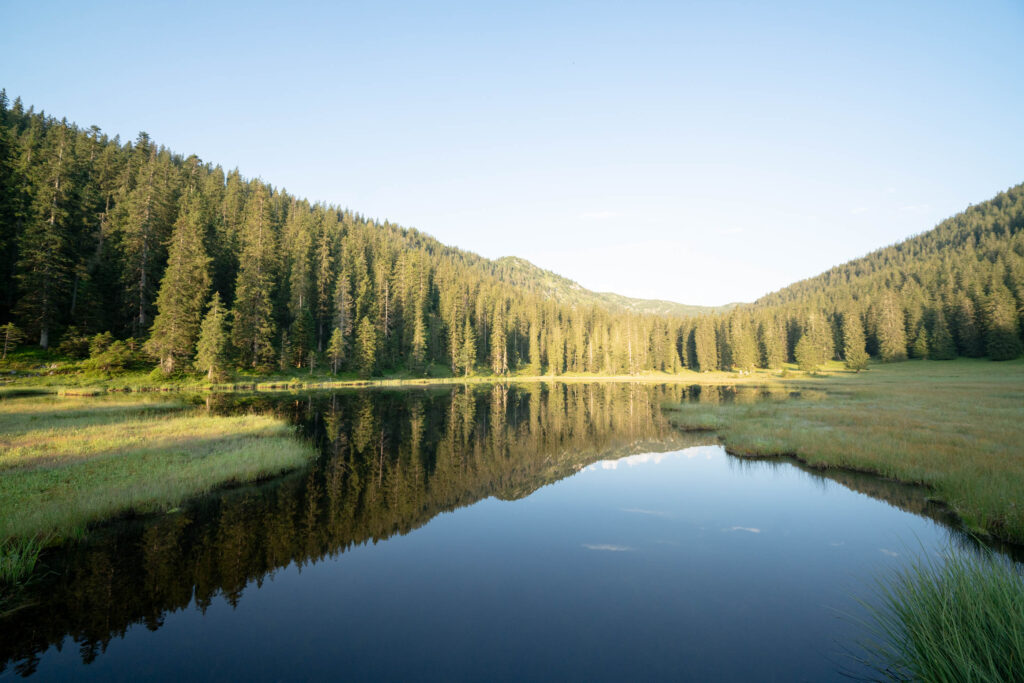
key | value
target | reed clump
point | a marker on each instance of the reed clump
(957, 618)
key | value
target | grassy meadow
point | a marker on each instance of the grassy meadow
(66, 462)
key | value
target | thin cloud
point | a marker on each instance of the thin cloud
(607, 547)
(641, 511)
(749, 529)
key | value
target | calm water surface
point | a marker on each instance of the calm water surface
(563, 531)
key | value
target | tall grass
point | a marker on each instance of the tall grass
(957, 618)
(18, 559)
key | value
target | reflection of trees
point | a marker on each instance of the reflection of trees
(390, 462)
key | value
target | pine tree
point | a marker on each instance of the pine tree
(1002, 336)
(253, 330)
(813, 348)
(773, 346)
(467, 357)
(418, 351)
(534, 348)
(142, 222)
(44, 266)
(499, 346)
(919, 347)
(942, 346)
(212, 348)
(336, 350)
(706, 345)
(183, 291)
(854, 351)
(556, 349)
(892, 336)
(11, 335)
(366, 343)
(343, 313)
(968, 336)
(744, 348)
(284, 357)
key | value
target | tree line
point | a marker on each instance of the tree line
(203, 269)
(112, 250)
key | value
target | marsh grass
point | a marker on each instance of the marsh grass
(958, 618)
(955, 426)
(69, 462)
(18, 558)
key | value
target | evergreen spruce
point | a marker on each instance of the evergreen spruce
(968, 334)
(254, 328)
(336, 350)
(499, 347)
(744, 348)
(942, 346)
(1002, 335)
(366, 344)
(212, 348)
(919, 347)
(183, 292)
(854, 351)
(706, 348)
(11, 337)
(813, 348)
(44, 265)
(467, 356)
(892, 337)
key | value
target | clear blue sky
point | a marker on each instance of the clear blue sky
(700, 152)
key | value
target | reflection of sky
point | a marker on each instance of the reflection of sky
(655, 458)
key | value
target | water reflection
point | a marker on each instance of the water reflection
(390, 462)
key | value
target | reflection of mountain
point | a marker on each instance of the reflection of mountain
(391, 461)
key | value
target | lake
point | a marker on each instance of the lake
(484, 533)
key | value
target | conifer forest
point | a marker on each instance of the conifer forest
(114, 251)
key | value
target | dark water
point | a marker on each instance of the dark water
(555, 532)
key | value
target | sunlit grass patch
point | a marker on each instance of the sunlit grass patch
(66, 463)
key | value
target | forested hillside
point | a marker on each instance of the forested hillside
(956, 290)
(117, 251)
(112, 249)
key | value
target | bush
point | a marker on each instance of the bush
(74, 344)
(107, 354)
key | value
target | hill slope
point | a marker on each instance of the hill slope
(957, 289)
(101, 236)
(520, 272)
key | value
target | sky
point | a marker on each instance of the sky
(697, 152)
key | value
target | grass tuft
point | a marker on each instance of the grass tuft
(18, 559)
(957, 618)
